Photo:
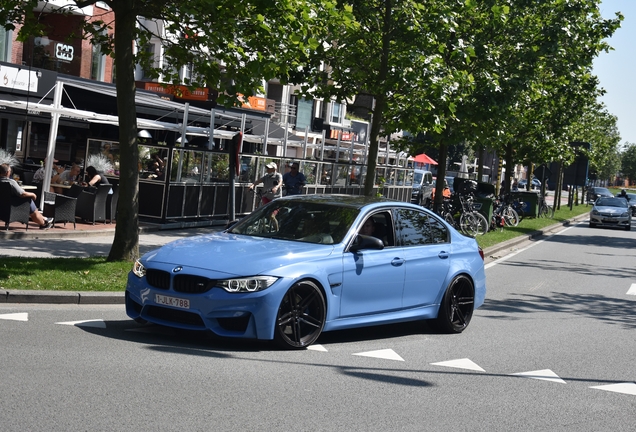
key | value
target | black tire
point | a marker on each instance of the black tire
(301, 316)
(592, 225)
(628, 227)
(457, 306)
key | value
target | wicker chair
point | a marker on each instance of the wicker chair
(91, 206)
(13, 208)
(60, 207)
(74, 191)
(111, 204)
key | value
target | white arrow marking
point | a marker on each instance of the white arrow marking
(632, 290)
(544, 374)
(317, 347)
(21, 316)
(86, 323)
(627, 388)
(461, 364)
(387, 354)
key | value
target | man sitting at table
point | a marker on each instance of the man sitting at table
(36, 216)
(68, 177)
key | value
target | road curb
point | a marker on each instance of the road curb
(61, 297)
(552, 229)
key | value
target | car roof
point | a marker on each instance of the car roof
(354, 201)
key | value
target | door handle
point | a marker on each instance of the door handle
(443, 255)
(396, 262)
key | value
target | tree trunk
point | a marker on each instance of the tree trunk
(372, 156)
(126, 243)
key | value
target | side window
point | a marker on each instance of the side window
(439, 232)
(380, 225)
(416, 228)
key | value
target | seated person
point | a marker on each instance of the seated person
(68, 177)
(370, 228)
(38, 177)
(96, 178)
(16, 190)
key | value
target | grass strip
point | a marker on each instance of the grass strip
(63, 274)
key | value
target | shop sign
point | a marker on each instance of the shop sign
(64, 52)
(253, 102)
(180, 91)
(344, 135)
(18, 79)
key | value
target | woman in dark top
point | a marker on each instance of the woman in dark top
(95, 178)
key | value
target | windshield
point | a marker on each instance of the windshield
(602, 191)
(611, 202)
(299, 221)
(417, 178)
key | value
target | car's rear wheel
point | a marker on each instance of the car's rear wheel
(301, 316)
(457, 306)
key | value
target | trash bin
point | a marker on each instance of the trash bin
(530, 203)
(484, 206)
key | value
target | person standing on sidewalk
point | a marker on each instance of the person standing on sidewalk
(36, 216)
(294, 180)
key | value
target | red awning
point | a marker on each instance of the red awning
(422, 158)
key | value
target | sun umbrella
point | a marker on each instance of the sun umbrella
(423, 159)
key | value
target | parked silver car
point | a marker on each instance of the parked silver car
(611, 211)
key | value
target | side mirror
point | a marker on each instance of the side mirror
(366, 242)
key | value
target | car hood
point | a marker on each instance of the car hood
(611, 210)
(234, 255)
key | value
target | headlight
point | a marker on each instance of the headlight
(626, 214)
(248, 284)
(595, 212)
(138, 269)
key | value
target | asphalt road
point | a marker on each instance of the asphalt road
(552, 349)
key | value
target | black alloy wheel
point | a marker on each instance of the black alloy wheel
(457, 306)
(301, 316)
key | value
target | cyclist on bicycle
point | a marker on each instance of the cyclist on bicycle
(272, 184)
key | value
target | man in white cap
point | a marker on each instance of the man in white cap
(272, 184)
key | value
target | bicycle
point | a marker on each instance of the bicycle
(471, 222)
(544, 209)
(266, 224)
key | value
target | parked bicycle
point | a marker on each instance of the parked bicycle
(545, 210)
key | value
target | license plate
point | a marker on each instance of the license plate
(172, 301)
(610, 220)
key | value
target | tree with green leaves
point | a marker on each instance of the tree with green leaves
(397, 53)
(232, 47)
(628, 162)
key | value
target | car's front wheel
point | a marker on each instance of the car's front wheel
(301, 316)
(457, 306)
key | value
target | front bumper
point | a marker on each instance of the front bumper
(240, 315)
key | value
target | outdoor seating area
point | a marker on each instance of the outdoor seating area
(77, 206)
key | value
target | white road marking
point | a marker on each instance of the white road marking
(387, 354)
(86, 323)
(544, 374)
(317, 347)
(510, 255)
(626, 388)
(632, 290)
(20, 316)
(461, 364)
